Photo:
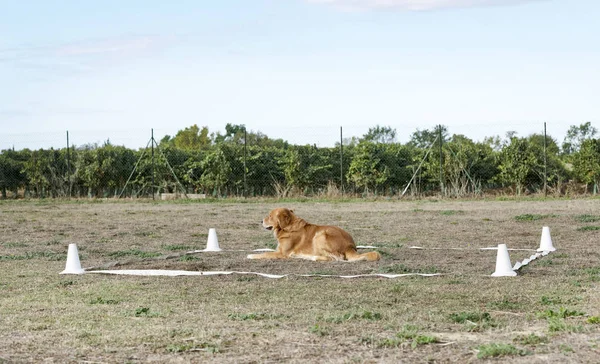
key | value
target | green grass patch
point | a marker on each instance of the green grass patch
(587, 218)
(533, 217)
(145, 312)
(133, 252)
(557, 324)
(52, 256)
(409, 334)
(545, 300)
(498, 350)
(188, 258)
(365, 315)
(253, 316)
(451, 212)
(402, 269)
(506, 304)
(318, 330)
(593, 320)
(474, 321)
(589, 228)
(531, 340)
(103, 301)
(192, 347)
(561, 313)
(14, 244)
(178, 247)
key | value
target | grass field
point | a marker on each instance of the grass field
(550, 313)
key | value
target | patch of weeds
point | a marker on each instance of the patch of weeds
(246, 278)
(451, 212)
(15, 244)
(474, 321)
(593, 320)
(533, 217)
(188, 258)
(423, 340)
(191, 347)
(271, 245)
(531, 339)
(133, 252)
(318, 330)
(506, 304)
(52, 256)
(145, 312)
(545, 263)
(560, 255)
(365, 315)
(53, 242)
(564, 348)
(147, 234)
(497, 350)
(418, 210)
(102, 301)
(587, 218)
(408, 332)
(402, 269)
(589, 228)
(251, 316)
(65, 284)
(561, 313)
(557, 324)
(177, 247)
(545, 300)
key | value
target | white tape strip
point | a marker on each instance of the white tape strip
(488, 248)
(524, 262)
(175, 273)
(496, 248)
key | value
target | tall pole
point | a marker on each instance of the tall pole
(245, 151)
(441, 161)
(152, 142)
(545, 165)
(341, 161)
(68, 164)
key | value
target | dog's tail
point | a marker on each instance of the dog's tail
(353, 256)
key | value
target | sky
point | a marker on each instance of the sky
(294, 69)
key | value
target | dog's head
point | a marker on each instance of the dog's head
(278, 219)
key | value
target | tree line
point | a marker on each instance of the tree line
(246, 163)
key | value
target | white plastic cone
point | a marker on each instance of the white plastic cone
(503, 266)
(546, 241)
(73, 264)
(212, 245)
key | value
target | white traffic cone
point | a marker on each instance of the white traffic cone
(546, 241)
(73, 264)
(503, 266)
(212, 245)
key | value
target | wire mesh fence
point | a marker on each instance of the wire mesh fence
(241, 163)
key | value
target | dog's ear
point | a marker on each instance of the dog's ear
(284, 218)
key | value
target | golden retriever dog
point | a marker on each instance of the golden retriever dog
(297, 238)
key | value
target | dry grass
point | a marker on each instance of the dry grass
(456, 317)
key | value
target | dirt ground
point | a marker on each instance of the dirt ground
(549, 313)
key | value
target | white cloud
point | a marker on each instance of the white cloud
(414, 5)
